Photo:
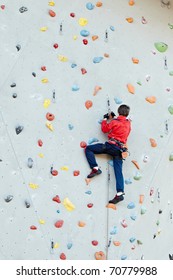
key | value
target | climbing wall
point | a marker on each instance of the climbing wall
(60, 62)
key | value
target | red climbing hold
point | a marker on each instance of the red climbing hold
(83, 144)
(55, 45)
(40, 143)
(94, 242)
(76, 172)
(59, 223)
(2, 7)
(84, 71)
(62, 256)
(90, 205)
(43, 68)
(56, 199)
(33, 227)
(50, 116)
(88, 104)
(52, 13)
(54, 172)
(85, 41)
(72, 14)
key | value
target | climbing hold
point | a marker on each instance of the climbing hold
(13, 85)
(56, 199)
(118, 100)
(143, 20)
(63, 256)
(52, 13)
(87, 180)
(90, 205)
(171, 157)
(75, 87)
(76, 173)
(123, 257)
(30, 162)
(72, 15)
(143, 210)
(133, 217)
(54, 172)
(88, 104)
(96, 90)
(51, 3)
(19, 129)
(161, 47)
(100, 255)
(42, 222)
(136, 164)
(44, 28)
(8, 198)
(73, 65)
(151, 99)
(49, 126)
(59, 223)
(89, 6)
(131, 205)
(117, 243)
(170, 73)
(94, 242)
(85, 41)
(124, 223)
(135, 60)
(97, 59)
(88, 192)
(55, 46)
(139, 242)
(33, 227)
(68, 204)
(2, 7)
(14, 95)
(106, 55)
(84, 71)
(99, 4)
(69, 245)
(34, 74)
(131, 2)
(131, 88)
(23, 9)
(92, 140)
(129, 19)
(112, 28)
(83, 21)
(83, 144)
(62, 58)
(27, 204)
(170, 109)
(40, 143)
(18, 47)
(45, 80)
(111, 206)
(153, 142)
(84, 33)
(128, 181)
(33, 186)
(50, 116)
(132, 239)
(151, 191)
(141, 198)
(137, 176)
(114, 231)
(95, 37)
(81, 224)
(65, 168)
(145, 158)
(70, 126)
(43, 68)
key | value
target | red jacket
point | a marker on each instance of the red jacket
(118, 128)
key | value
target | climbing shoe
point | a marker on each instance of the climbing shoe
(117, 199)
(94, 172)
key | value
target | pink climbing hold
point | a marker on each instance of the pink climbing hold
(72, 15)
(83, 144)
(84, 71)
(2, 7)
(43, 68)
(94, 242)
(88, 104)
(59, 223)
(33, 227)
(62, 256)
(56, 199)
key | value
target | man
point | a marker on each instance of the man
(118, 130)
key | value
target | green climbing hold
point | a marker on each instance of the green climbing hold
(137, 176)
(160, 46)
(171, 157)
(170, 109)
(170, 73)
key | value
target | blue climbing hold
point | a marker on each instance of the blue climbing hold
(92, 140)
(131, 205)
(70, 126)
(89, 6)
(84, 33)
(88, 192)
(114, 230)
(97, 59)
(128, 181)
(73, 65)
(69, 245)
(75, 87)
(118, 100)
(133, 217)
(112, 28)
(124, 257)
(132, 239)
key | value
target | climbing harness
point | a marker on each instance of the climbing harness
(122, 146)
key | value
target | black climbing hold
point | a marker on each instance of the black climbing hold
(9, 198)
(30, 162)
(19, 129)
(27, 204)
(160, 211)
(13, 85)
(18, 47)
(23, 9)
(14, 95)
(34, 74)
(171, 256)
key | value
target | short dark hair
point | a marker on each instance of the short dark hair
(123, 110)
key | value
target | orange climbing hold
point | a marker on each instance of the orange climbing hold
(141, 198)
(95, 37)
(81, 224)
(131, 2)
(136, 164)
(88, 104)
(52, 13)
(151, 99)
(135, 60)
(76, 173)
(96, 90)
(99, 4)
(87, 180)
(100, 255)
(50, 116)
(117, 243)
(131, 88)
(153, 143)
(111, 206)
(106, 55)
(130, 19)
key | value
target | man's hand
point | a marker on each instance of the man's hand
(109, 116)
(112, 114)
(106, 116)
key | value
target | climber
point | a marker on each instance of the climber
(118, 130)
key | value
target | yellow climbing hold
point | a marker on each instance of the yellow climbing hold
(75, 37)
(65, 167)
(151, 99)
(51, 3)
(83, 21)
(44, 28)
(33, 186)
(45, 80)
(131, 88)
(41, 155)
(49, 126)
(62, 58)
(46, 103)
(68, 204)
(42, 222)
(56, 245)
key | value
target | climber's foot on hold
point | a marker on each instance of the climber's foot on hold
(94, 172)
(117, 198)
